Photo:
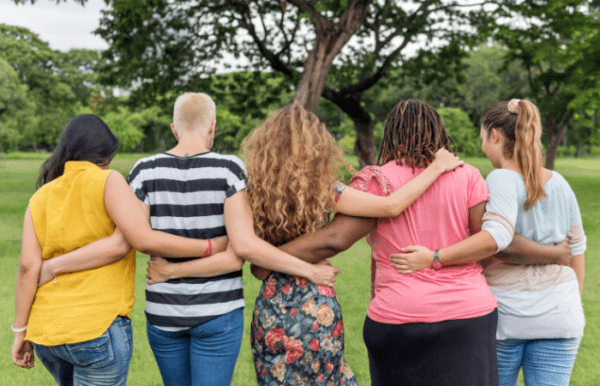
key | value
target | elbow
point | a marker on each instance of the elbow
(237, 263)
(337, 243)
(29, 268)
(139, 244)
(241, 248)
(122, 248)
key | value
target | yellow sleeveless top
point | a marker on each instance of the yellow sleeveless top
(69, 213)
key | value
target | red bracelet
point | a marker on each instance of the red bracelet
(208, 250)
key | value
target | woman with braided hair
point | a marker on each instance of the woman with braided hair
(292, 161)
(541, 320)
(435, 326)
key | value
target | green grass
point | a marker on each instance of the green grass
(18, 173)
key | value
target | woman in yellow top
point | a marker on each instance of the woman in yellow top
(79, 323)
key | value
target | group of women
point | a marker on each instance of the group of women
(436, 316)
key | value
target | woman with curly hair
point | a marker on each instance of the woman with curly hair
(297, 330)
(432, 327)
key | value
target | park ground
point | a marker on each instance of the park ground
(19, 171)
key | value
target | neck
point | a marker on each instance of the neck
(190, 145)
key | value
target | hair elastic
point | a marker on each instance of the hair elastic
(513, 109)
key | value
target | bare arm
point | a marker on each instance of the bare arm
(357, 203)
(27, 278)
(160, 270)
(240, 228)
(101, 252)
(525, 251)
(474, 248)
(124, 208)
(578, 265)
(326, 242)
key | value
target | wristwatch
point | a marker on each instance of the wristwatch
(437, 264)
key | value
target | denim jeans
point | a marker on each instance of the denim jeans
(200, 356)
(101, 361)
(547, 362)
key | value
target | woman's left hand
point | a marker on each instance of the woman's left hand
(158, 270)
(411, 259)
(22, 351)
(447, 160)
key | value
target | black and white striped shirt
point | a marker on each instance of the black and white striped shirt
(186, 198)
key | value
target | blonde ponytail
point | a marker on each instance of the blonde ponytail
(527, 152)
(519, 121)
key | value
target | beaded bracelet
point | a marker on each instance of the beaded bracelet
(21, 329)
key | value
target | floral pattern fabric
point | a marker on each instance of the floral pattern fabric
(297, 334)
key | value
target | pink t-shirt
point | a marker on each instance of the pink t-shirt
(439, 218)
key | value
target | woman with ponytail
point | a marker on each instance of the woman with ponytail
(540, 314)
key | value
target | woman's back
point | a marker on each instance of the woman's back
(440, 217)
(68, 213)
(539, 293)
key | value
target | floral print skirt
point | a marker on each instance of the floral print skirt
(297, 335)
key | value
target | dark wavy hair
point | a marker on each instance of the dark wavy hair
(413, 132)
(85, 138)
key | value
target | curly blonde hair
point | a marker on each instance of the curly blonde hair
(292, 163)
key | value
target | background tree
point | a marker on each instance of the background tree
(58, 83)
(16, 110)
(556, 42)
(334, 48)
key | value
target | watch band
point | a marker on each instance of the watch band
(437, 264)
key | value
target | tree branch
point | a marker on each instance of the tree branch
(305, 6)
(276, 63)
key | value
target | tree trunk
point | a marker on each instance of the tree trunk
(312, 81)
(365, 147)
(551, 148)
(552, 140)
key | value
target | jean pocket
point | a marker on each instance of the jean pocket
(96, 352)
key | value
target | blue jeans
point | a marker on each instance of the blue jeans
(200, 356)
(547, 362)
(101, 361)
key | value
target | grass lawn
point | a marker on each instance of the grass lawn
(19, 171)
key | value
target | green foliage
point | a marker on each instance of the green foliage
(16, 109)
(462, 131)
(556, 43)
(123, 125)
(58, 83)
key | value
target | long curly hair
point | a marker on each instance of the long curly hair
(293, 163)
(413, 132)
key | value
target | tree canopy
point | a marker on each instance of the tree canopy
(57, 83)
(337, 49)
(556, 44)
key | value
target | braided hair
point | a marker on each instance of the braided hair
(413, 132)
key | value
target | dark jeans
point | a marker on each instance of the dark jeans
(101, 361)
